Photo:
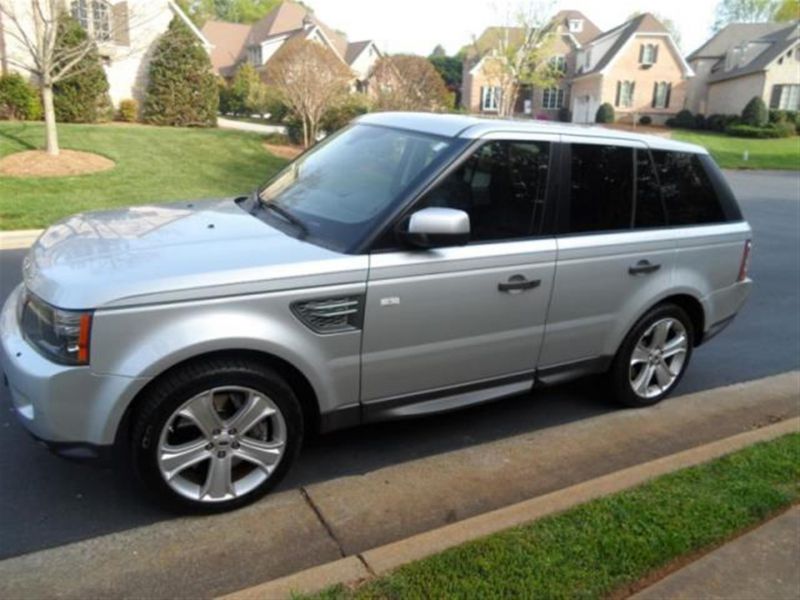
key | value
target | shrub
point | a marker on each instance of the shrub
(778, 116)
(684, 120)
(19, 100)
(605, 114)
(645, 120)
(755, 113)
(336, 117)
(128, 111)
(775, 130)
(81, 97)
(565, 115)
(182, 89)
(700, 121)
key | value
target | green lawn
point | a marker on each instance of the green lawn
(783, 154)
(605, 546)
(153, 165)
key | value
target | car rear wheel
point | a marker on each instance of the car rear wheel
(216, 435)
(653, 357)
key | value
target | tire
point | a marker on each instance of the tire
(215, 435)
(652, 359)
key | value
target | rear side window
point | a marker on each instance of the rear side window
(648, 208)
(689, 194)
(601, 190)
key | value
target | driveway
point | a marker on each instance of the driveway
(251, 127)
(45, 501)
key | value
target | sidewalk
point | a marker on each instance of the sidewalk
(763, 564)
(251, 127)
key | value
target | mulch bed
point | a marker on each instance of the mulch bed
(37, 163)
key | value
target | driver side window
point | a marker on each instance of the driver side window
(502, 187)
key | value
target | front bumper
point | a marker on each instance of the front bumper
(71, 409)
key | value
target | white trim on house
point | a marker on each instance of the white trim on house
(364, 49)
(183, 17)
(316, 29)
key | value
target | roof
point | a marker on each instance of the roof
(354, 50)
(230, 44)
(756, 55)
(468, 127)
(733, 35)
(289, 17)
(644, 23)
(589, 32)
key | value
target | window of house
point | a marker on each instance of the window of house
(601, 190)
(553, 98)
(576, 25)
(587, 59)
(490, 98)
(94, 16)
(661, 94)
(254, 55)
(502, 187)
(785, 97)
(625, 90)
(648, 54)
(558, 64)
(648, 209)
(689, 195)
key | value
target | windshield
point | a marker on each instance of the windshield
(337, 193)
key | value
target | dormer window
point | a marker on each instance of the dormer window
(254, 55)
(648, 54)
(94, 17)
(575, 25)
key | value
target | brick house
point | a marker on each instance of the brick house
(235, 44)
(744, 60)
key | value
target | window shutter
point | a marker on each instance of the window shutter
(619, 90)
(121, 25)
(775, 98)
(633, 91)
(655, 53)
(669, 93)
(655, 95)
(483, 97)
(641, 53)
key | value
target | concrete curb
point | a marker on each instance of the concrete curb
(15, 240)
(378, 561)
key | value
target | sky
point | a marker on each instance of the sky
(417, 26)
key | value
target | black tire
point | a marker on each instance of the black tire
(174, 389)
(621, 369)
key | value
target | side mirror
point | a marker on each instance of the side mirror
(436, 227)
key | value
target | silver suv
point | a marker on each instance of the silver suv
(409, 265)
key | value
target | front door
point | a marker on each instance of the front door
(472, 315)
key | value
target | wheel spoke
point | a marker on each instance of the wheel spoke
(642, 382)
(640, 354)
(218, 483)
(661, 333)
(175, 459)
(675, 346)
(664, 376)
(263, 455)
(203, 414)
(255, 410)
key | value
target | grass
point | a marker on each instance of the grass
(606, 546)
(153, 165)
(779, 154)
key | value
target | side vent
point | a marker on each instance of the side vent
(331, 315)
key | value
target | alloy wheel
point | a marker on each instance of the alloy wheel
(658, 358)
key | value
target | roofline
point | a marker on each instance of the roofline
(364, 49)
(766, 67)
(184, 17)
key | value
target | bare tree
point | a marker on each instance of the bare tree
(406, 82)
(519, 52)
(34, 25)
(310, 79)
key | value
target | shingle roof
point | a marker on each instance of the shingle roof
(734, 35)
(589, 32)
(288, 17)
(354, 49)
(230, 43)
(756, 55)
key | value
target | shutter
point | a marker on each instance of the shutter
(120, 23)
(619, 90)
(775, 98)
(483, 97)
(633, 92)
(655, 53)
(669, 93)
(641, 53)
(655, 95)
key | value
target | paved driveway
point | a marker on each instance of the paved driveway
(45, 501)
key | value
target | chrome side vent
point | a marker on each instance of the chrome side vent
(331, 315)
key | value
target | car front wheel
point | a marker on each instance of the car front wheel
(216, 435)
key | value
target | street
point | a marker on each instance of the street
(46, 501)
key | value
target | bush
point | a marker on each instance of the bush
(128, 111)
(755, 113)
(605, 114)
(182, 89)
(336, 117)
(565, 115)
(683, 120)
(778, 116)
(82, 97)
(775, 130)
(700, 121)
(717, 122)
(645, 120)
(19, 100)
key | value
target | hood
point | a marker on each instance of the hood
(175, 252)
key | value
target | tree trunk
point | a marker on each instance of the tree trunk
(51, 131)
(305, 132)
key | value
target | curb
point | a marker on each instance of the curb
(15, 240)
(378, 561)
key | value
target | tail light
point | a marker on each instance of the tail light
(748, 245)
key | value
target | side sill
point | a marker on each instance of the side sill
(569, 371)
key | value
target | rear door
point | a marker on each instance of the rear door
(441, 319)
(615, 253)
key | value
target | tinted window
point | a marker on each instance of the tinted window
(502, 187)
(649, 207)
(689, 195)
(601, 192)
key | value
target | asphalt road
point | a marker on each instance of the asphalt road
(46, 501)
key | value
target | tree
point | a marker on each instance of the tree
(235, 11)
(182, 89)
(519, 53)
(438, 52)
(35, 25)
(407, 82)
(605, 113)
(451, 70)
(787, 10)
(743, 11)
(309, 79)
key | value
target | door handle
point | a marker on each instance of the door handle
(643, 267)
(518, 283)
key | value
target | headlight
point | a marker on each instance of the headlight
(61, 335)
